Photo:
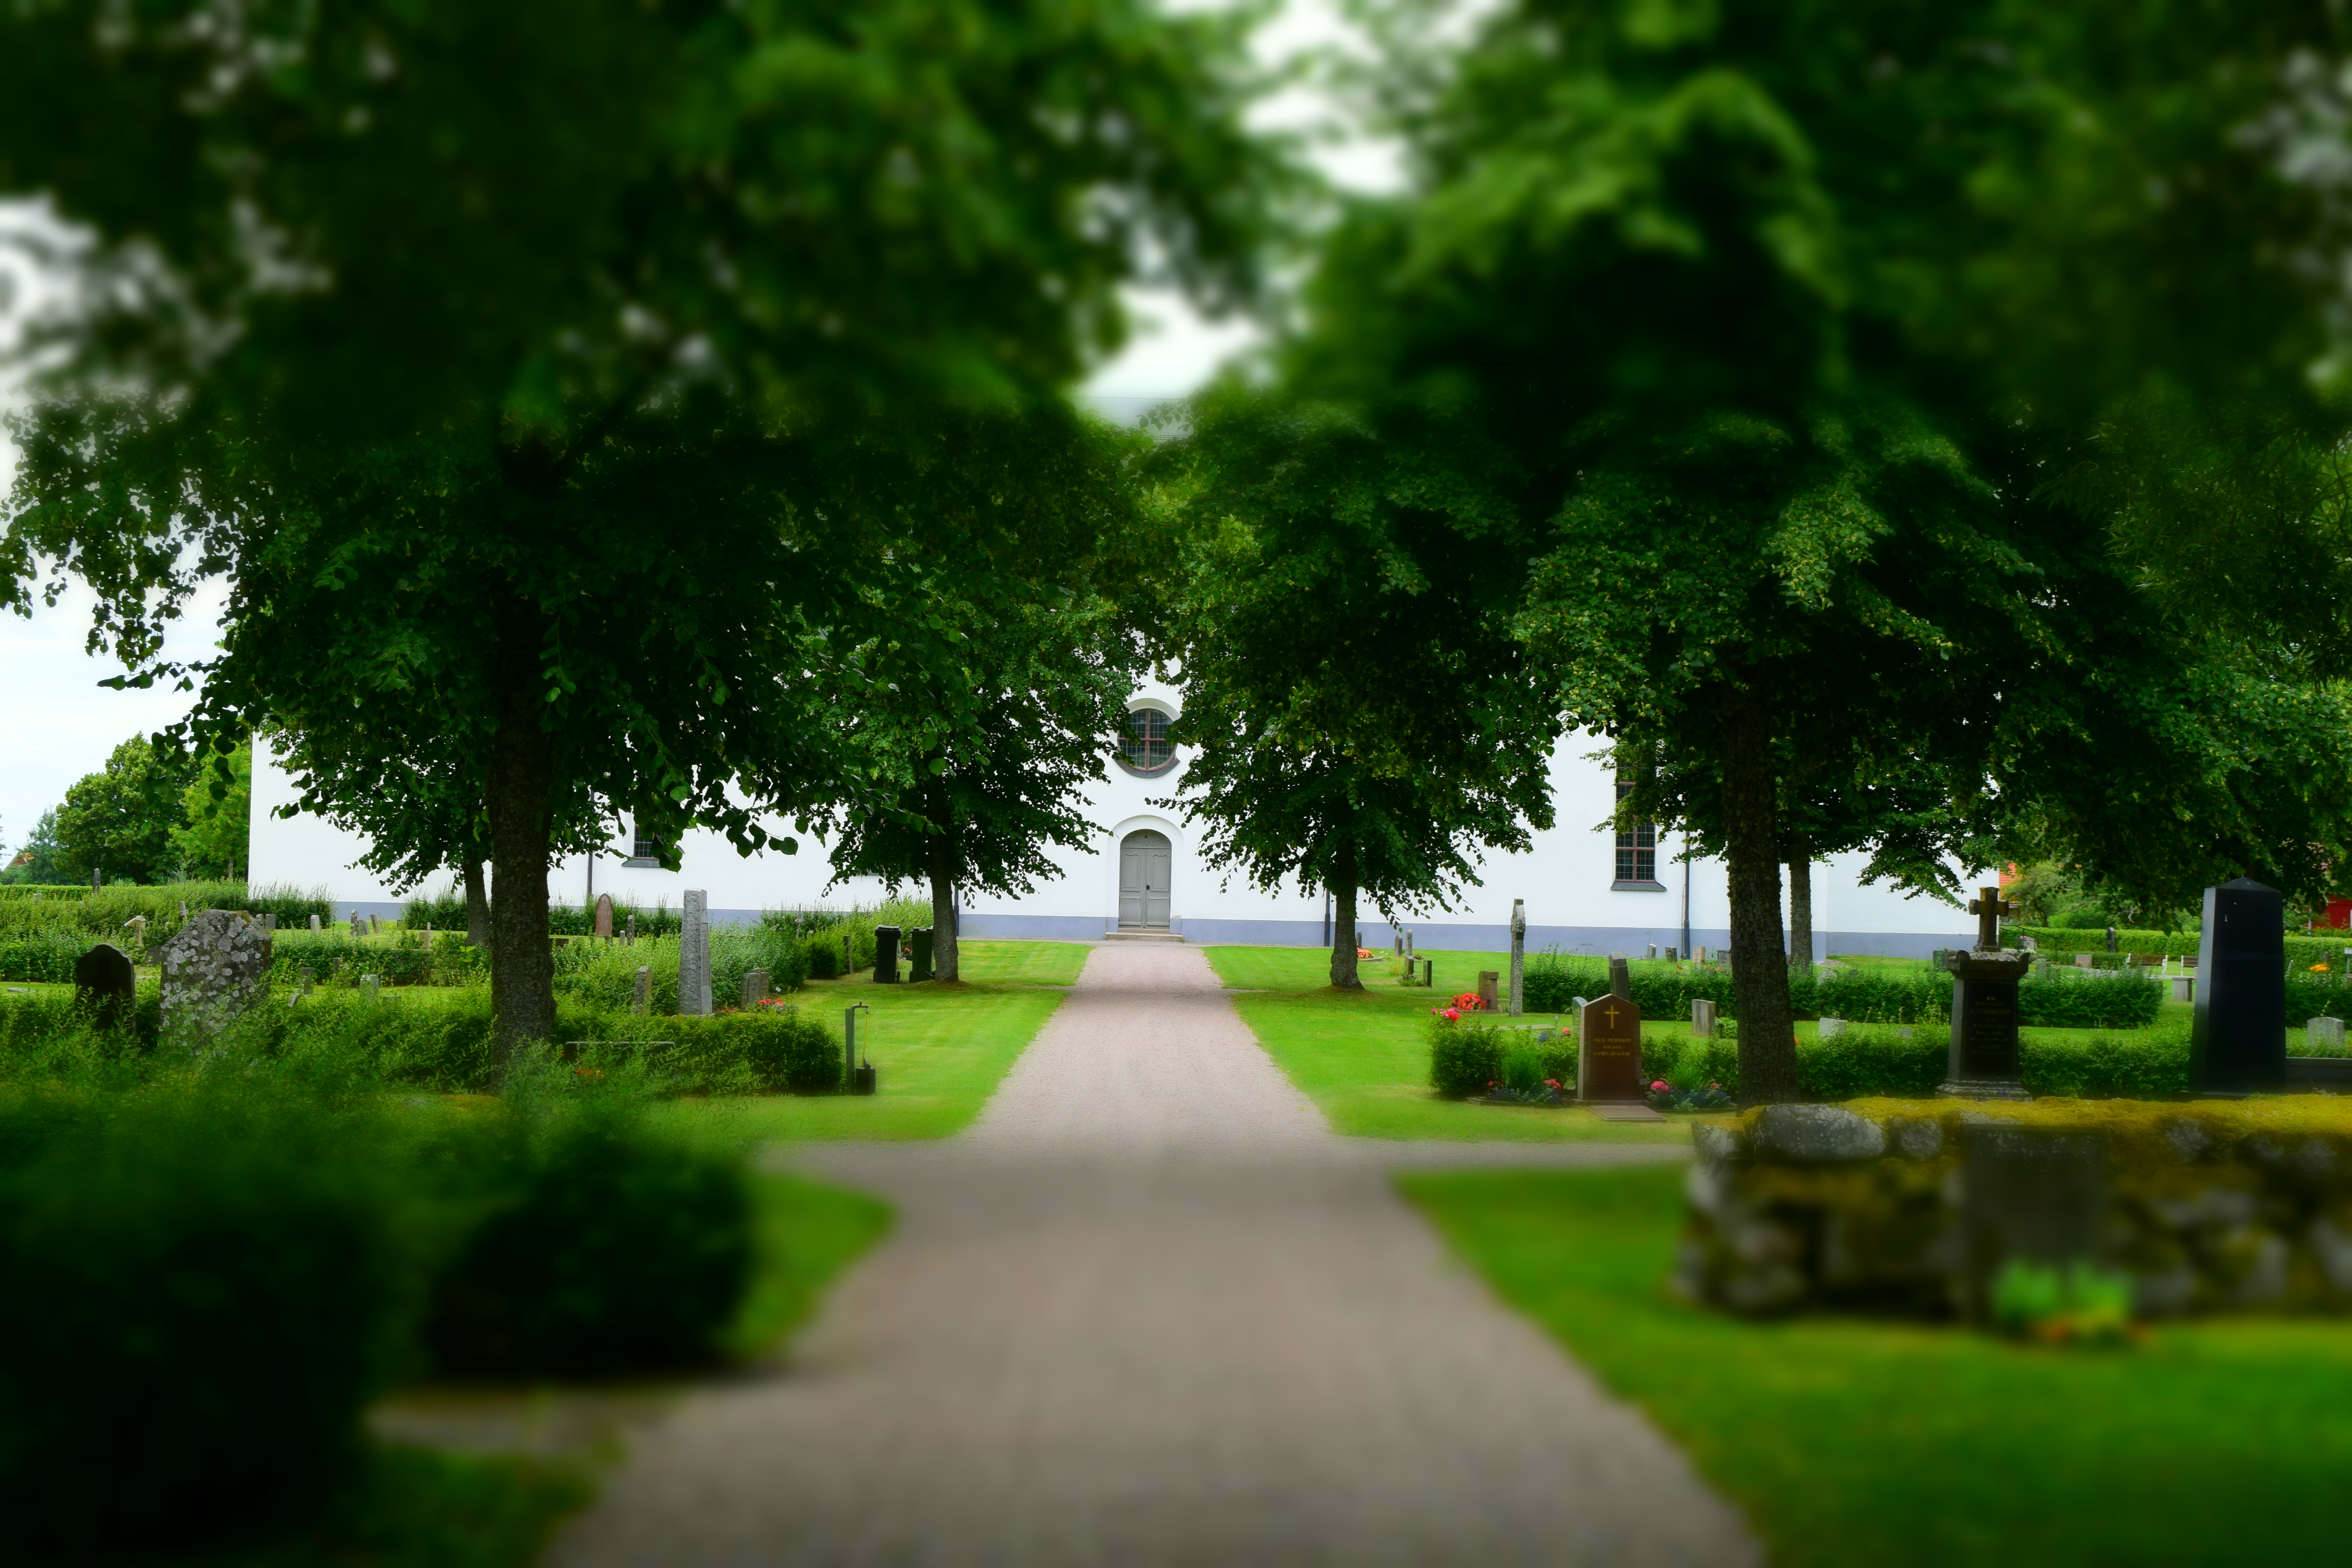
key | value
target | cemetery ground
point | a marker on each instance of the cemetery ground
(1850, 1442)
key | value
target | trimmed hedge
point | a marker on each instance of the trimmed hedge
(2065, 999)
(1863, 1062)
(443, 1040)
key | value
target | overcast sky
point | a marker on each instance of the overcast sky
(58, 723)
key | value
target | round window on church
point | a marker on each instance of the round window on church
(1144, 746)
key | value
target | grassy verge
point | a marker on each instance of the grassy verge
(1024, 962)
(413, 1508)
(1362, 1056)
(1857, 1443)
(940, 1050)
(809, 1232)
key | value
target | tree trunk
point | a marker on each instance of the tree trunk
(478, 904)
(1760, 970)
(944, 964)
(522, 777)
(1800, 907)
(1343, 924)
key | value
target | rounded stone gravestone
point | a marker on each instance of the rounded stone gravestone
(215, 967)
(104, 985)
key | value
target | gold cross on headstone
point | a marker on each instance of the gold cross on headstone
(1612, 1016)
(1990, 909)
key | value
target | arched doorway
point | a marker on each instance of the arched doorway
(1144, 857)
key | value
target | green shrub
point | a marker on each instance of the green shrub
(205, 1289)
(603, 1245)
(2069, 998)
(771, 1051)
(821, 955)
(1464, 1058)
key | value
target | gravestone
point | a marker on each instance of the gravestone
(269, 921)
(137, 926)
(1699, 954)
(1621, 977)
(1653, 950)
(755, 988)
(1396, 940)
(2184, 988)
(1674, 955)
(2082, 960)
(305, 978)
(104, 985)
(1489, 983)
(2325, 1032)
(604, 916)
(1983, 1063)
(215, 967)
(2237, 1044)
(1830, 1028)
(371, 986)
(1408, 944)
(2033, 1194)
(184, 908)
(1608, 1052)
(886, 955)
(632, 931)
(314, 922)
(373, 925)
(919, 953)
(694, 955)
(359, 927)
(1702, 1018)
(2111, 939)
(1518, 956)
(642, 1002)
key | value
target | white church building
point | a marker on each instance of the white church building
(1588, 889)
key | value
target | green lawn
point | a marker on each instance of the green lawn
(1024, 962)
(809, 1232)
(1849, 1442)
(941, 1051)
(1363, 1057)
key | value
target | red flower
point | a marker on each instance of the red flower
(1659, 1086)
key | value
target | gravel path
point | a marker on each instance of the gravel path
(1149, 1311)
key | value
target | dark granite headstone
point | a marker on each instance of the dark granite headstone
(1620, 978)
(1490, 988)
(2034, 1193)
(886, 955)
(1608, 1052)
(2237, 1045)
(104, 985)
(1983, 1063)
(919, 953)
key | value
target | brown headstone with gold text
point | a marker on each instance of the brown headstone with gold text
(1608, 1051)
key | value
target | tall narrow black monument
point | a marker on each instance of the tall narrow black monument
(2238, 1043)
(1984, 1009)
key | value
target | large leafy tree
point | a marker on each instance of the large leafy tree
(118, 821)
(1802, 321)
(983, 702)
(541, 358)
(1359, 715)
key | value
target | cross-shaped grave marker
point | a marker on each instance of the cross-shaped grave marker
(1990, 909)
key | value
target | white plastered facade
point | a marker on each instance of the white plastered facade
(1566, 880)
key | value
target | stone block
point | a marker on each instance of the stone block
(215, 968)
(1830, 1028)
(1817, 1134)
(1717, 1146)
(2326, 1032)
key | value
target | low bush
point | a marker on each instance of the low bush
(821, 955)
(103, 915)
(773, 1049)
(1861, 1063)
(204, 1290)
(2067, 998)
(599, 1245)
(1463, 1057)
